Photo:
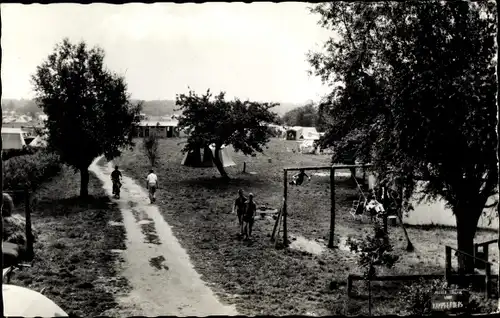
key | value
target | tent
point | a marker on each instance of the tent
(39, 141)
(12, 138)
(309, 133)
(204, 157)
(308, 146)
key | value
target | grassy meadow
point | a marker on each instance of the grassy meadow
(74, 261)
(256, 276)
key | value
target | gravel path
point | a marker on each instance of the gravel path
(158, 269)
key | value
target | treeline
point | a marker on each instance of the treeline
(309, 115)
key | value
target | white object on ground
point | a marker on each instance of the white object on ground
(23, 302)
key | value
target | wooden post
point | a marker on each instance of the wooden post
(349, 285)
(447, 263)
(285, 190)
(29, 232)
(244, 167)
(488, 280)
(332, 208)
(278, 221)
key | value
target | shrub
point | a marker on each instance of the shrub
(10, 153)
(417, 298)
(30, 170)
(150, 145)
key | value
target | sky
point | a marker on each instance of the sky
(251, 51)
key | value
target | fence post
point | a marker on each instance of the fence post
(488, 280)
(244, 167)
(447, 264)
(29, 232)
(332, 208)
(285, 190)
(349, 285)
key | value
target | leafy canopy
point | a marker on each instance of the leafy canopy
(242, 124)
(413, 91)
(88, 107)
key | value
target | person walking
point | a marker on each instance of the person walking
(239, 207)
(249, 217)
(152, 185)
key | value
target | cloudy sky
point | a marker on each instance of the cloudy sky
(256, 51)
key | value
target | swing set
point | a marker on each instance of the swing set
(282, 214)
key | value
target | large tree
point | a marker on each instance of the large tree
(413, 91)
(88, 107)
(211, 120)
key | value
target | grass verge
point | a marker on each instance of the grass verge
(75, 263)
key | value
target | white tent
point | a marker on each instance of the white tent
(227, 161)
(12, 138)
(309, 133)
(191, 159)
(307, 146)
(39, 141)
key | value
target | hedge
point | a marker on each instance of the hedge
(10, 153)
(30, 170)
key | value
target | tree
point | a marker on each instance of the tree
(413, 91)
(150, 146)
(373, 251)
(215, 121)
(88, 108)
(306, 116)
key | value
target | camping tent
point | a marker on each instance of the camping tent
(308, 146)
(309, 133)
(204, 157)
(12, 138)
(39, 141)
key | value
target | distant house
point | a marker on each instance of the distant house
(13, 138)
(163, 128)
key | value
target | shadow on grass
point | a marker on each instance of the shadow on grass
(72, 205)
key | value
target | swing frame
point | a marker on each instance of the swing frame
(332, 169)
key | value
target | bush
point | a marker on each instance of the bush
(11, 153)
(30, 170)
(417, 298)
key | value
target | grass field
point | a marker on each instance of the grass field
(74, 263)
(256, 276)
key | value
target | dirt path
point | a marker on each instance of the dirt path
(160, 273)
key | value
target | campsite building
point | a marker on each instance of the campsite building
(163, 128)
(13, 138)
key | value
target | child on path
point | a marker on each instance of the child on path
(152, 185)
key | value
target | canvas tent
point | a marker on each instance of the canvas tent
(12, 138)
(308, 147)
(204, 157)
(309, 133)
(39, 141)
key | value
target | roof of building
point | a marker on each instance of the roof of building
(161, 123)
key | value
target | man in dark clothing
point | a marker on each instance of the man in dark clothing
(250, 210)
(116, 177)
(239, 206)
(298, 179)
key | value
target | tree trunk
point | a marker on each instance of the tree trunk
(84, 182)
(218, 163)
(467, 218)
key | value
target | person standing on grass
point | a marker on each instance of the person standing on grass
(239, 206)
(249, 216)
(152, 185)
(298, 179)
